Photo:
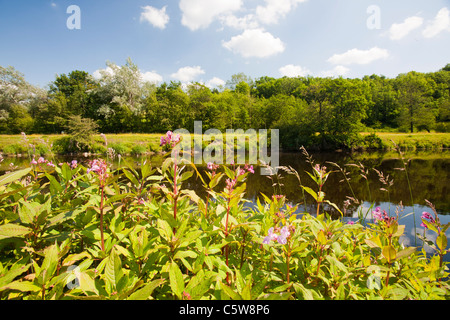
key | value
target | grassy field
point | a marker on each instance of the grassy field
(148, 143)
(413, 141)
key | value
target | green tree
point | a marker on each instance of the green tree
(16, 98)
(414, 97)
(120, 98)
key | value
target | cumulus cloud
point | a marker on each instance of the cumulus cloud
(156, 17)
(335, 72)
(98, 74)
(255, 43)
(152, 77)
(248, 21)
(399, 30)
(187, 74)
(197, 14)
(292, 71)
(274, 10)
(356, 56)
(215, 82)
(440, 23)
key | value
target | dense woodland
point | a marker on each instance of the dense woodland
(309, 111)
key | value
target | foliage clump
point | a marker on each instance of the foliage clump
(77, 231)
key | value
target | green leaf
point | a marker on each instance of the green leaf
(12, 274)
(113, 268)
(50, 262)
(165, 229)
(276, 296)
(176, 280)
(389, 253)
(146, 292)
(405, 252)
(26, 212)
(23, 286)
(13, 176)
(229, 292)
(55, 186)
(258, 288)
(311, 192)
(87, 283)
(131, 177)
(430, 225)
(441, 241)
(10, 230)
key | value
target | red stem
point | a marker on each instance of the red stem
(101, 218)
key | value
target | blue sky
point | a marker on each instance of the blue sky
(210, 40)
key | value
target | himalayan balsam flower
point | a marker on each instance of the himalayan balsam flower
(212, 166)
(427, 216)
(41, 160)
(100, 167)
(33, 161)
(281, 238)
(74, 164)
(169, 139)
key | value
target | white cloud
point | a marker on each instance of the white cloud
(335, 72)
(440, 23)
(215, 82)
(246, 22)
(275, 10)
(199, 14)
(152, 77)
(400, 30)
(98, 74)
(187, 74)
(255, 43)
(356, 56)
(156, 17)
(292, 71)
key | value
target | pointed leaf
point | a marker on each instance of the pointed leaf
(13, 176)
(176, 280)
(146, 292)
(10, 230)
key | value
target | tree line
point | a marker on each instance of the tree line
(309, 111)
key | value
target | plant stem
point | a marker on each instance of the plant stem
(226, 235)
(101, 218)
(175, 191)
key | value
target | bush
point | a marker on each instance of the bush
(138, 149)
(119, 148)
(124, 234)
(15, 149)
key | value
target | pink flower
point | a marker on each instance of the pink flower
(351, 222)
(170, 139)
(212, 166)
(427, 216)
(230, 184)
(33, 161)
(250, 169)
(281, 238)
(50, 164)
(270, 236)
(100, 167)
(41, 160)
(74, 164)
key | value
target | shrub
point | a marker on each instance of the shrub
(15, 149)
(138, 149)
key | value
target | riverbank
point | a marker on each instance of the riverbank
(141, 144)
